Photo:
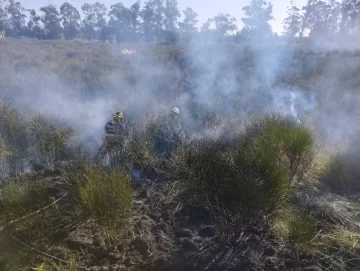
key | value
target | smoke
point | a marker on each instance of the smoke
(210, 84)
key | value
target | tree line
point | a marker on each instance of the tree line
(159, 20)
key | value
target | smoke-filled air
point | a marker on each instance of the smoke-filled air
(137, 137)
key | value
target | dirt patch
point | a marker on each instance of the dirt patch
(163, 235)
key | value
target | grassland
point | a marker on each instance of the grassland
(247, 190)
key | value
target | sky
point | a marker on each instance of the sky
(205, 8)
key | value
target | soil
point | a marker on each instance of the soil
(164, 235)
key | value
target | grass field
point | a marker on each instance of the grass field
(266, 179)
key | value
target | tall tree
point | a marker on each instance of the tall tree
(51, 20)
(15, 21)
(224, 23)
(152, 16)
(188, 25)
(3, 16)
(120, 22)
(334, 16)
(256, 24)
(350, 11)
(70, 17)
(171, 15)
(94, 22)
(34, 29)
(321, 19)
(292, 23)
(135, 15)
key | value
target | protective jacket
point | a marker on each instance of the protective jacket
(112, 127)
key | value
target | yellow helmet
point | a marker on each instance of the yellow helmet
(118, 115)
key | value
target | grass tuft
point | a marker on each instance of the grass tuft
(106, 197)
(19, 199)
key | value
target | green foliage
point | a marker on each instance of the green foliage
(140, 150)
(302, 229)
(49, 138)
(14, 137)
(107, 197)
(342, 174)
(292, 144)
(246, 178)
(22, 136)
(19, 199)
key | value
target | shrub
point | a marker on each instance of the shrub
(292, 143)
(242, 180)
(106, 197)
(49, 138)
(18, 199)
(139, 150)
(13, 134)
(342, 174)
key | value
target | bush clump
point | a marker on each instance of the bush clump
(106, 197)
(245, 179)
(21, 198)
(342, 174)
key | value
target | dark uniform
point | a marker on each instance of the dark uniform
(114, 141)
(170, 136)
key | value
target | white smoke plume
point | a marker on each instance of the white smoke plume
(226, 80)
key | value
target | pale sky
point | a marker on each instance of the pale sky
(205, 8)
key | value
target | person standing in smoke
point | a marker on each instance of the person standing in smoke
(113, 145)
(171, 135)
(114, 126)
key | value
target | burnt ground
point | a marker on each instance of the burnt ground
(164, 235)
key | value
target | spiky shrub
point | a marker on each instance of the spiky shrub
(140, 145)
(49, 138)
(342, 174)
(292, 143)
(21, 198)
(4, 156)
(14, 136)
(242, 181)
(106, 197)
(145, 148)
(140, 151)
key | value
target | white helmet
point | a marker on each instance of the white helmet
(176, 110)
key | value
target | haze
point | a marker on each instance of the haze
(205, 8)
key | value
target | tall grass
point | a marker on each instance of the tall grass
(247, 178)
(342, 174)
(14, 135)
(25, 137)
(49, 138)
(19, 199)
(105, 196)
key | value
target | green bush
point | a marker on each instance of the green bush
(14, 136)
(244, 179)
(19, 199)
(49, 138)
(138, 146)
(106, 197)
(140, 150)
(293, 144)
(342, 174)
